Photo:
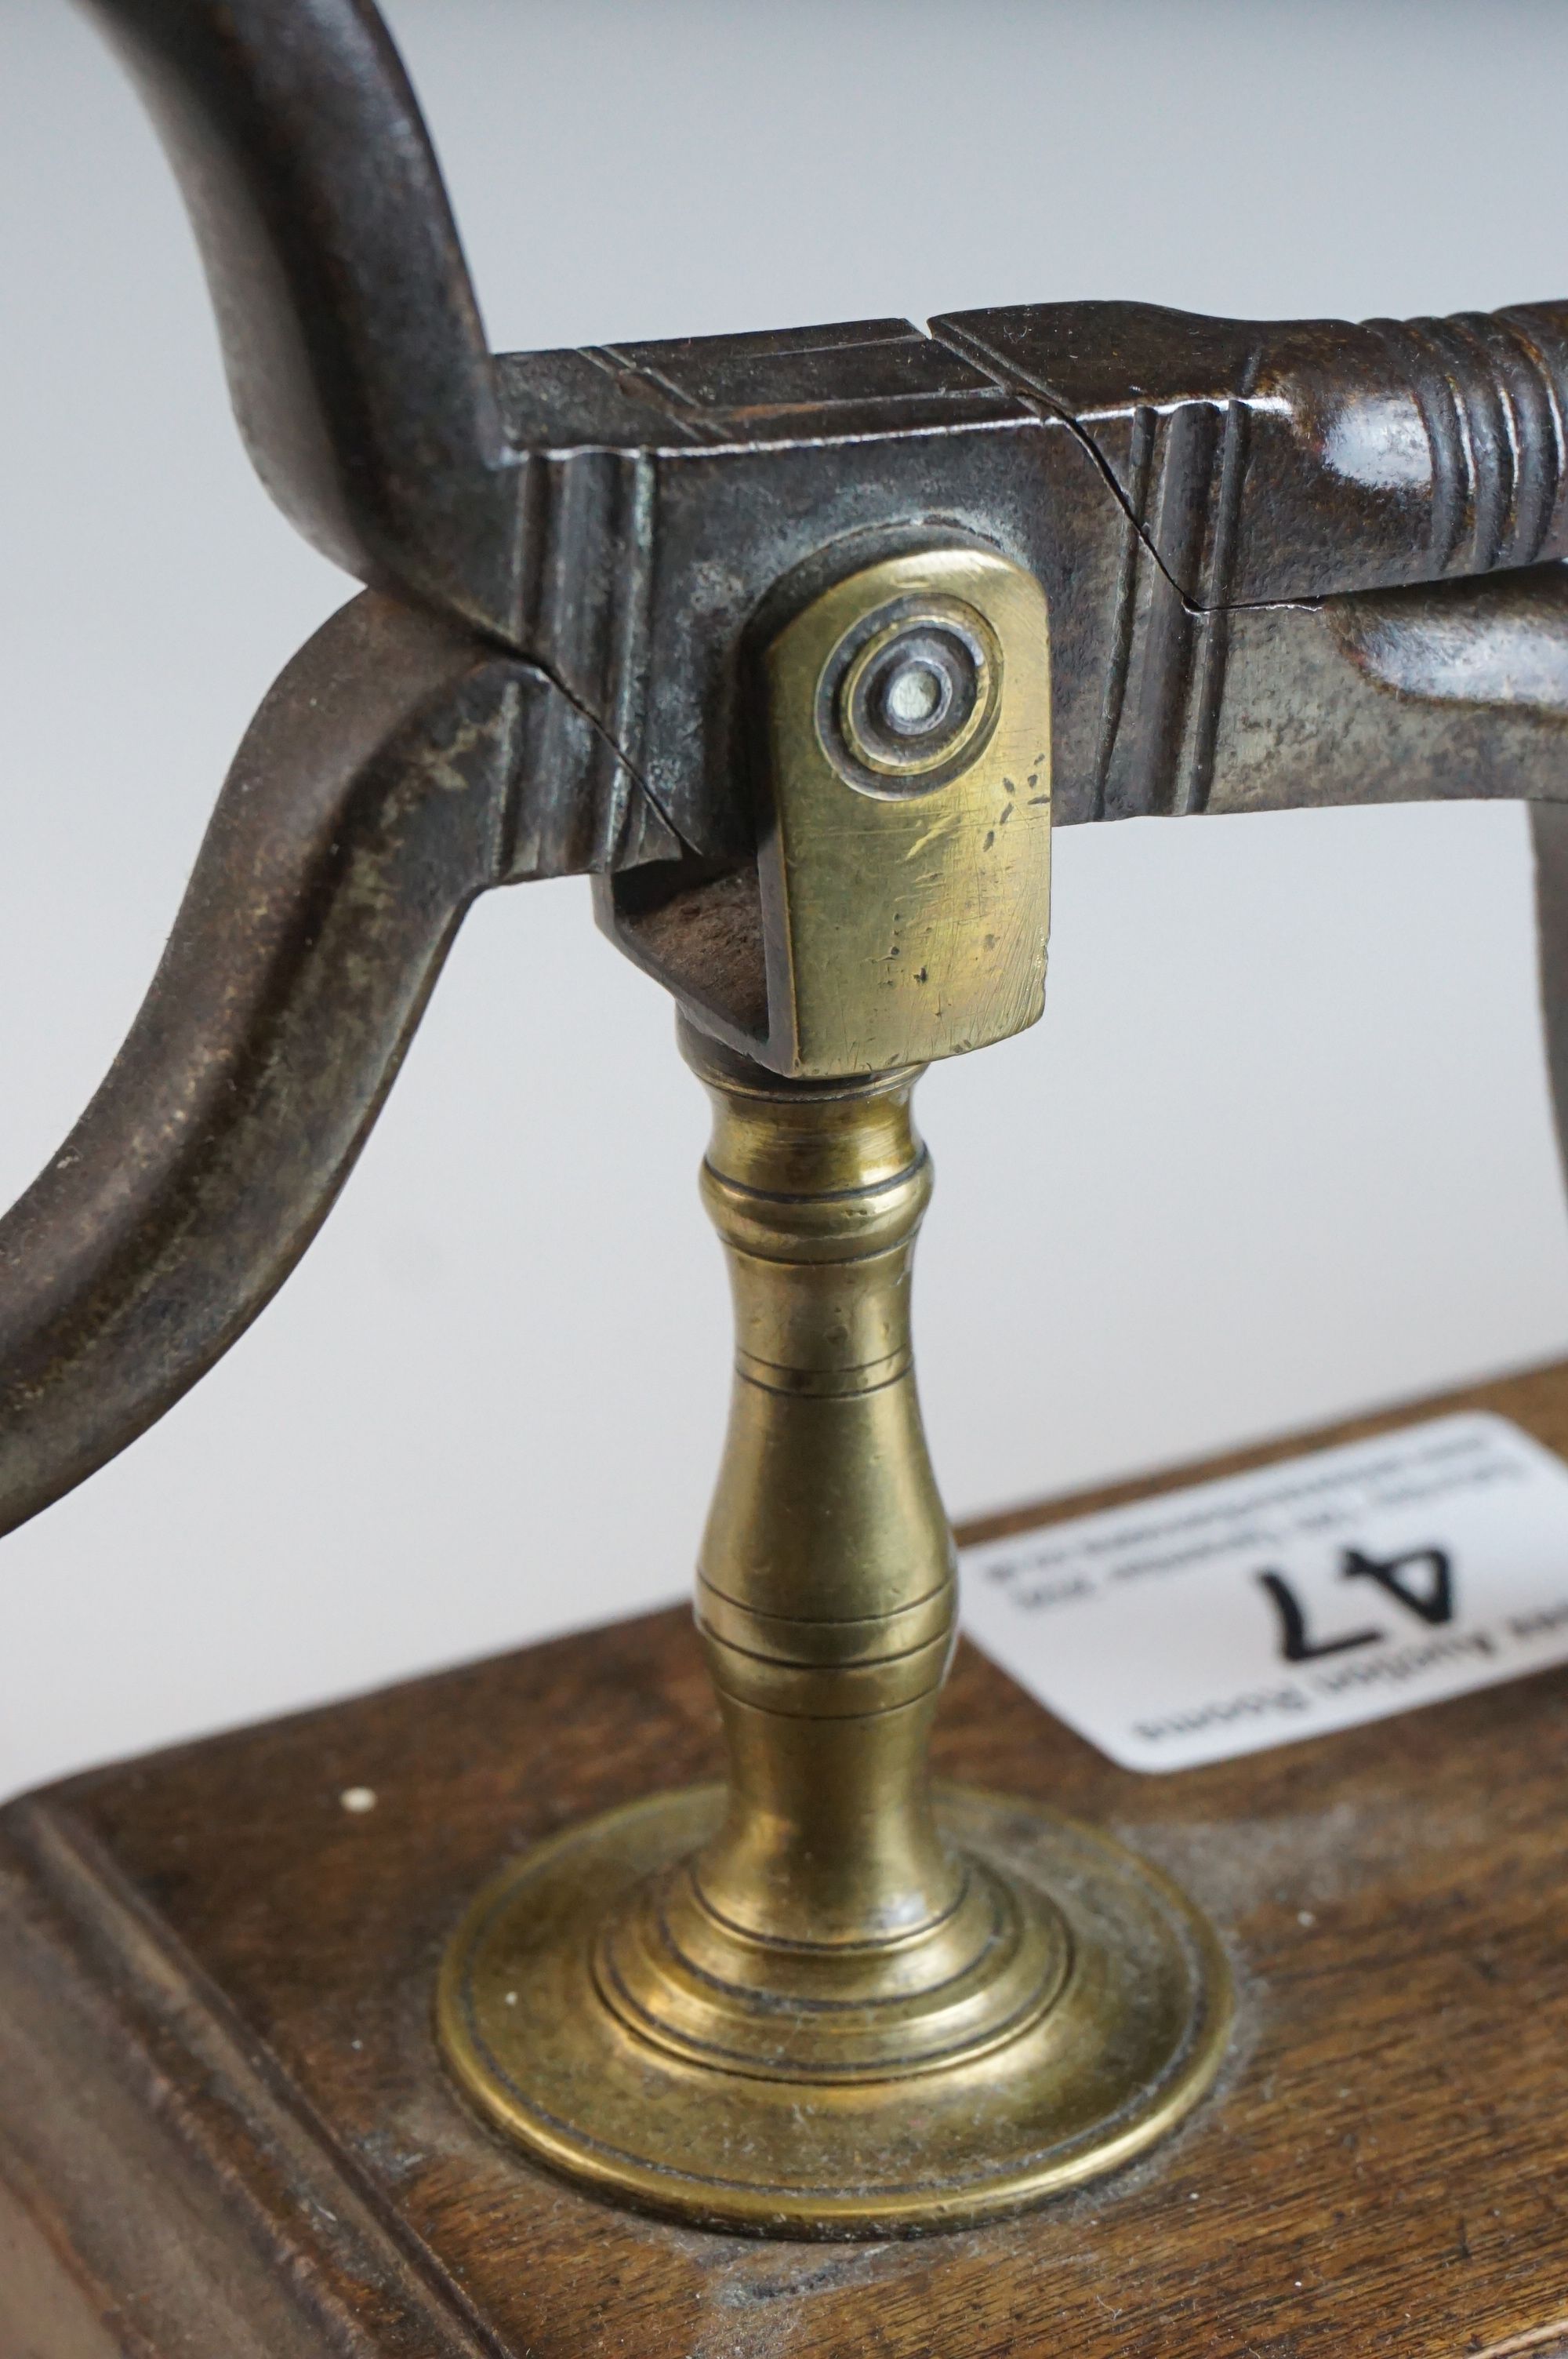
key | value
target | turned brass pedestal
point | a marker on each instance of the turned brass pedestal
(829, 2001)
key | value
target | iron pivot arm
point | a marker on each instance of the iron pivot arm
(1281, 564)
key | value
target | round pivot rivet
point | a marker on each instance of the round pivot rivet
(909, 697)
(917, 697)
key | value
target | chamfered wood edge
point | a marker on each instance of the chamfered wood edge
(169, 2186)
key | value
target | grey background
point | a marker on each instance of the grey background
(1279, 1147)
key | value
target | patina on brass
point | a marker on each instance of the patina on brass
(830, 2001)
(905, 879)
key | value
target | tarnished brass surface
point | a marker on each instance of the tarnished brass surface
(897, 902)
(822, 2002)
(906, 877)
(1129, 2040)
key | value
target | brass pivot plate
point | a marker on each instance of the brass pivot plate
(906, 877)
(1125, 2039)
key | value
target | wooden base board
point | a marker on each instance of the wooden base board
(224, 2131)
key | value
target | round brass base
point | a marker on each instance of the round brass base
(1132, 2036)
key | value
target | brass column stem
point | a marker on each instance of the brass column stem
(828, 1929)
(829, 2000)
(826, 1594)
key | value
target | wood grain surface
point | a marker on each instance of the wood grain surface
(224, 2131)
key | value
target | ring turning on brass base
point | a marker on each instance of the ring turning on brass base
(822, 2001)
(797, 2121)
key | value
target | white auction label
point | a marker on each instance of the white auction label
(1304, 1596)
